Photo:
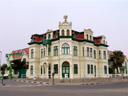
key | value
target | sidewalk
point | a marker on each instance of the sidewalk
(87, 81)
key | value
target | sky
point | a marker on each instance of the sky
(19, 19)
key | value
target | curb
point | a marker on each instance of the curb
(37, 82)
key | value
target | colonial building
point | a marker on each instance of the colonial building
(68, 54)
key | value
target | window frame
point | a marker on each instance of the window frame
(68, 32)
(74, 50)
(65, 49)
(32, 53)
(62, 32)
(75, 68)
(55, 68)
(31, 70)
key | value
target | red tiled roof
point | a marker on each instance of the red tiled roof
(37, 38)
(98, 39)
(80, 36)
(26, 50)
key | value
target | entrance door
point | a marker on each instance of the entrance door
(65, 70)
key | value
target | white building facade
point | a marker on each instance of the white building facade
(68, 54)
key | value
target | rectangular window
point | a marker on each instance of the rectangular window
(90, 52)
(41, 71)
(126, 67)
(99, 54)
(44, 51)
(94, 54)
(32, 53)
(55, 50)
(105, 69)
(75, 69)
(56, 68)
(104, 54)
(49, 51)
(88, 69)
(75, 51)
(83, 51)
(87, 51)
(91, 69)
(41, 53)
(31, 70)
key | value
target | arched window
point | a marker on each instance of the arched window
(62, 32)
(32, 53)
(31, 70)
(49, 36)
(87, 36)
(65, 48)
(68, 32)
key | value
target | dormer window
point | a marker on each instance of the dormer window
(90, 37)
(62, 32)
(87, 36)
(68, 32)
(74, 35)
(56, 35)
(103, 41)
(49, 36)
(32, 39)
(42, 37)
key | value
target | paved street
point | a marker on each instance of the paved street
(13, 88)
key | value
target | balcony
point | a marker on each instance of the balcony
(47, 42)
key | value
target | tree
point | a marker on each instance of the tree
(3, 67)
(18, 64)
(117, 58)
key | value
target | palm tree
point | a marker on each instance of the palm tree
(117, 58)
